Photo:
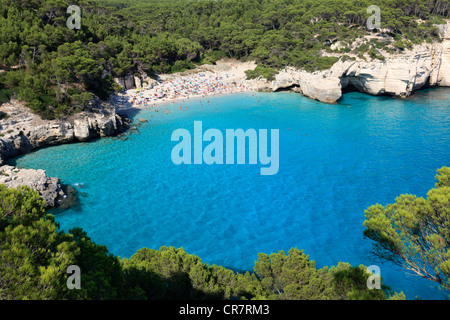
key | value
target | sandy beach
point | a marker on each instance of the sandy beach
(225, 77)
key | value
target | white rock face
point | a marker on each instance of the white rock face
(144, 82)
(23, 131)
(83, 129)
(49, 188)
(126, 82)
(397, 75)
(133, 82)
(444, 71)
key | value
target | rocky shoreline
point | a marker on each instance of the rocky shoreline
(22, 131)
(399, 75)
(396, 74)
(50, 189)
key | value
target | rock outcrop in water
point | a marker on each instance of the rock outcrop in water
(22, 131)
(397, 75)
(49, 188)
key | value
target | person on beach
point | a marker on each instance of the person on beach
(184, 87)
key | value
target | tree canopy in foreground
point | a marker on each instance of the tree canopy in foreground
(414, 232)
(35, 255)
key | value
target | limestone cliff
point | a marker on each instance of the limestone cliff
(130, 81)
(22, 131)
(398, 74)
(444, 70)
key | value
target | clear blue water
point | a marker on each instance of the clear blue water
(335, 161)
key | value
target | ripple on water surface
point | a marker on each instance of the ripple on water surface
(335, 161)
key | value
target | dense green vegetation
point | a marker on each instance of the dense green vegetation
(414, 233)
(262, 71)
(35, 254)
(34, 257)
(56, 71)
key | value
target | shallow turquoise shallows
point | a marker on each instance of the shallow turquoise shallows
(335, 161)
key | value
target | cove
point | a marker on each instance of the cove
(334, 162)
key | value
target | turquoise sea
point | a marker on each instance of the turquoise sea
(335, 161)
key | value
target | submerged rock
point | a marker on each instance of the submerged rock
(70, 198)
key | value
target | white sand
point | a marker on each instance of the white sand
(227, 76)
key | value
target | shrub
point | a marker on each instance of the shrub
(262, 71)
